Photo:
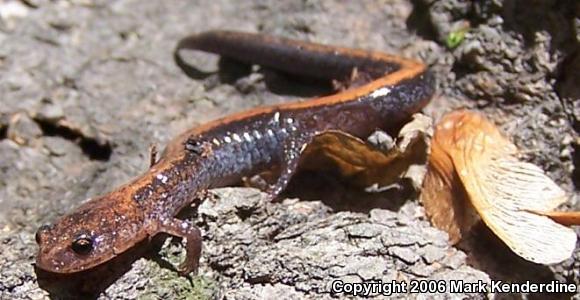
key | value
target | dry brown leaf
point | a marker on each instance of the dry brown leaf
(471, 160)
(365, 164)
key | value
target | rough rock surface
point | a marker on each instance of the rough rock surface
(87, 86)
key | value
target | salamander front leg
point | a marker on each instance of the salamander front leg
(152, 155)
(192, 237)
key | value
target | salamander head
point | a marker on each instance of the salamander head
(93, 234)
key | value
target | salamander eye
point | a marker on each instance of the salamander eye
(42, 230)
(83, 244)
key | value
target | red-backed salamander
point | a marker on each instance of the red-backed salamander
(221, 152)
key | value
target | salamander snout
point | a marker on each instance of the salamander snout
(82, 243)
(71, 246)
(94, 233)
(42, 233)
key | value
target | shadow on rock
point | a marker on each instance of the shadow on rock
(89, 284)
(488, 253)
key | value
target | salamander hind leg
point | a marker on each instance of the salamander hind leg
(192, 237)
(262, 180)
(289, 164)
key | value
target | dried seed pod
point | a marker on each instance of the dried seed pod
(472, 165)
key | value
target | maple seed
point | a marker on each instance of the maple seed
(474, 172)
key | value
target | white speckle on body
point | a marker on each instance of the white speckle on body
(380, 92)
(162, 178)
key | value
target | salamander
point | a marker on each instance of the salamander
(221, 152)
